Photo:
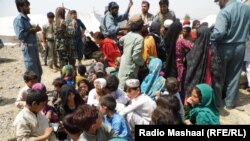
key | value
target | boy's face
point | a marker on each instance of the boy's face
(103, 109)
(30, 83)
(57, 89)
(37, 107)
(98, 122)
(132, 93)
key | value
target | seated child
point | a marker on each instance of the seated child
(203, 110)
(113, 119)
(89, 120)
(48, 111)
(30, 123)
(57, 83)
(83, 89)
(97, 92)
(139, 111)
(71, 128)
(68, 75)
(81, 73)
(172, 86)
(30, 78)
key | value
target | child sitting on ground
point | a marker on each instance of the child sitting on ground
(30, 78)
(81, 73)
(172, 86)
(89, 120)
(113, 119)
(57, 83)
(68, 75)
(48, 111)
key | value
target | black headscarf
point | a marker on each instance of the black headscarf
(170, 42)
(197, 61)
(65, 91)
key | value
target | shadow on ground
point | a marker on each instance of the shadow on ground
(6, 101)
(7, 60)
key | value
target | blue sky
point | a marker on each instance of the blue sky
(195, 8)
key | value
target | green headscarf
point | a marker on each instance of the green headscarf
(206, 112)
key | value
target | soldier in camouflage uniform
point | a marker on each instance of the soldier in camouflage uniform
(64, 43)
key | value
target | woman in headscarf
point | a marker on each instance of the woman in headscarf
(153, 81)
(203, 110)
(203, 63)
(70, 100)
(170, 43)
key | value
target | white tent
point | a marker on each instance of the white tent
(210, 20)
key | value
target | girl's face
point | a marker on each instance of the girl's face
(195, 97)
(71, 96)
(83, 87)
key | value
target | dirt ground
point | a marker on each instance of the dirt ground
(12, 68)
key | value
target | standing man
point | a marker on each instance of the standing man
(26, 33)
(164, 13)
(111, 20)
(231, 31)
(78, 34)
(49, 41)
(146, 16)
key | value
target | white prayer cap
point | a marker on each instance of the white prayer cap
(100, 81)
(133, 83)
(167, 23)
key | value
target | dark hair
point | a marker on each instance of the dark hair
(59, 82)
(98, 35)
(29, 75)
(169, 102)
(50, 15)
(145, 2)
(100, 74)
(172, 85)
(188, 29)
(35, 96)
(81, 70)
(96, 55)
(112, 5)
(108, 101)
(85, 116)
(162, 116)
(65, 92)
(161, 2)
(195, 22)
(69, 125)
(20, 3)
(204, 24)
(84, 81)
(112, 82)
(136, 26)
(73, 12)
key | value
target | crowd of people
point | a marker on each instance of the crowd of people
(156, 70)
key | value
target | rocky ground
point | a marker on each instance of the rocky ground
(12, 68)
